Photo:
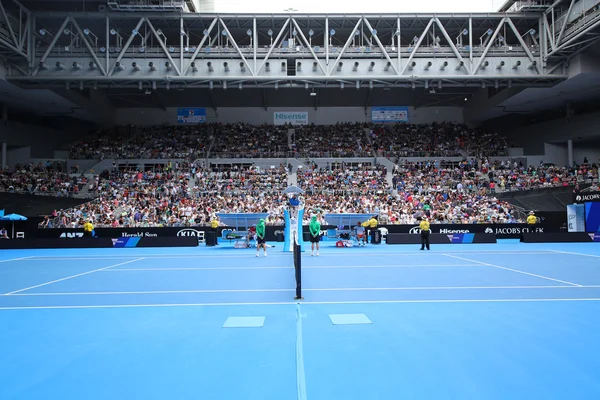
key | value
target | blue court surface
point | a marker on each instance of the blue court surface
(505, 321)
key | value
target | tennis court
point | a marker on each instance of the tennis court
(510, 320)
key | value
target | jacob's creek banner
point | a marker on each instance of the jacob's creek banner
(585, 197)
(290, 117)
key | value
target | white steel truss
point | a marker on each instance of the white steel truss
(363, 50)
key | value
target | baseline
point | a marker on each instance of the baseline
(515, 270)
(575, 254)
(351, 253)
(70, 277)
(17, 259)
(305, 289)
(305, 303)
(276, 267)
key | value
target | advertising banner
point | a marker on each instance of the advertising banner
(502, 231)
(389, 114)
(586, 197)
(191, 115)
(576, 218)
(592, 217)
(290, 117)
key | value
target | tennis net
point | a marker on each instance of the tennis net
(298, 268)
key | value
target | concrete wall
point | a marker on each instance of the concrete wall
(18, 155)
(553, 153)
(43, 140)
(532, 137)
(321, 116)
(592, 154)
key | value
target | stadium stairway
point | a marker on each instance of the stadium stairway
(292, 179)
(99, 167)
(389, 165)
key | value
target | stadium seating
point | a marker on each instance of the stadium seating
(187, 193)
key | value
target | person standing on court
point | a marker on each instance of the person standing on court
(371, 224)
(214, 227)
(260, 237)
(315, 234)
(424, 226)
(531, 219)
(88, 228)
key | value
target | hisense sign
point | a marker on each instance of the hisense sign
(290, 117)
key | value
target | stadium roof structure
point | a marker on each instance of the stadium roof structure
(521, 60)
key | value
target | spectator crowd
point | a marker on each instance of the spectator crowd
(248, 141)
(41, 179)
(187, 193)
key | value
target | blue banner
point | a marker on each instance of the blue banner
(592, 217)
(461, 238)
(191, 115)
(126, 242)
(389, 114)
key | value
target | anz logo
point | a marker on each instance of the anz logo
(71, 235)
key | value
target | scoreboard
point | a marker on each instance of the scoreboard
(389, 114)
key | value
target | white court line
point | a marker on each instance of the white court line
(289, 267)
(515, 270)
(70, 277)
(576, 254)
(303, 303)
(280, 254)
(16, 259)
(424, 288)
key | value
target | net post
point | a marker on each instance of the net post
(298, 268)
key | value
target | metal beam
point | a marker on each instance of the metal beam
(24, 36)
(330, 70)
(336, 16)
(414, 51)
(351, 78)
(237, 47)
(197, 51)
(548, 33)
(399, 43)
(385, 53)
(523, 44)
(471, 42)
(13, 48)
(254, 42)
(162, 44)
(287, 21)
(126, 46)
(307, 44)
(573, 39)
(52, 44)
(565, 23)
(107, 44)
(9, 25)
(181, 30)
(450, 43)
(89, 47)
(578, 51)
(487, 47)
(326, 42)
